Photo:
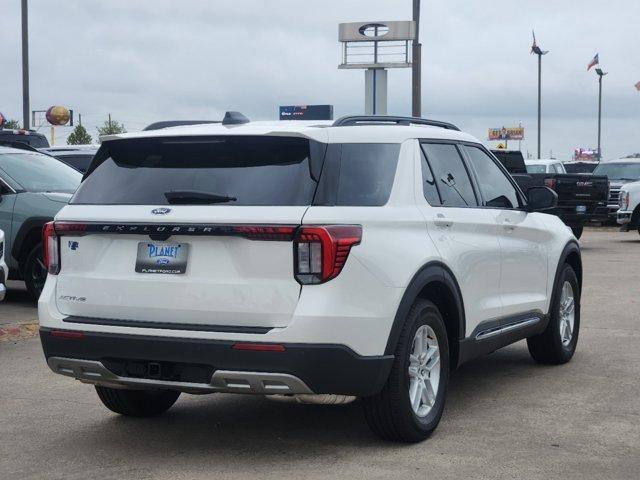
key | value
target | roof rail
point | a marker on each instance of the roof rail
(390, 119)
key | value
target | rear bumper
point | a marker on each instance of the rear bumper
(572, 218)
(197, 365)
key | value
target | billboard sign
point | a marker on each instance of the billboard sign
(504, 133)
(585, 154)
(306, 112)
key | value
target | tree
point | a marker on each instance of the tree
(79, 136)
(111, 127)
(11, 124)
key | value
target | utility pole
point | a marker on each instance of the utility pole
(539, 52)
(25, 65)
(601, 74)
(416, 69)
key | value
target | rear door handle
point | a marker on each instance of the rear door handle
(442, 221)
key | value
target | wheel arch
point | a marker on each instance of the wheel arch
(571, 256)
(634, 223)
(28, 236)
(434, 282)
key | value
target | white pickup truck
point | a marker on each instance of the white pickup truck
(628, 215)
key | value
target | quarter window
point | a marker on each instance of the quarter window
(450, 175)
(497, 190)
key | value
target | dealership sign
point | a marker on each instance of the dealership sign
(306, 112)
(504, 133)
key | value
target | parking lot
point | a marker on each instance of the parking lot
(506, 416)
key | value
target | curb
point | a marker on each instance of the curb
(18, 331)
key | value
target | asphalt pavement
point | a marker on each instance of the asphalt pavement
(506, 417)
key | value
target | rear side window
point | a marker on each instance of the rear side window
(79, 162)
(358, 174)
(450, 174)
(227, 170)
(366, 174)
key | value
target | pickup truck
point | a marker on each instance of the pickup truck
(628, 215)
(582, 197)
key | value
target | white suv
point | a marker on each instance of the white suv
(367, 257)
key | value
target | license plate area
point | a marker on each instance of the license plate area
(162, 258)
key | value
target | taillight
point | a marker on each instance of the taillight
(51, 248)
(550, 182)
(51, 233)
(320, 252)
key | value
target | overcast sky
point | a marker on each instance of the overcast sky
(149, 60)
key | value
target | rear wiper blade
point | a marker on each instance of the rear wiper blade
(194, 197)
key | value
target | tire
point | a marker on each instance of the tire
(550, 347)
(34, 272)
(137, 403)
(577, 231)
(390, 414)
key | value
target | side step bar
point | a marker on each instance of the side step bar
(94, 372)
(497, 334)
(500, 330)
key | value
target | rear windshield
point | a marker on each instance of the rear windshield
(35, 141)
(79, 162)
(536, 168)
(226, 170)
(580, 167)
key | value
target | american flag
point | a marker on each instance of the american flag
(593, 62)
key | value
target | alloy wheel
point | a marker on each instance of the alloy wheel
(567, 313)
(424, 371)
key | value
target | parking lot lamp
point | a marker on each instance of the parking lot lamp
(535, 49)
(25, 66)
(601, 74)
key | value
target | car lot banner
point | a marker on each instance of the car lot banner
(504, 133)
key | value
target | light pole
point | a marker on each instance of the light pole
(600, 75)
(25, 65)
(539, 52)
(416, 69)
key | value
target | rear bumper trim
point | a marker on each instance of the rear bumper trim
(201, 365)
(167, 325)
(263, 383)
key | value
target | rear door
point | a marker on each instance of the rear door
(188, 233)
(464, 234)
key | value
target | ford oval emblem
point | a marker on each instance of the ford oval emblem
(160, 211)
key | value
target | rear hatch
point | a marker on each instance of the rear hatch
(188, 233)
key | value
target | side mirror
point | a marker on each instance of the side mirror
(541, 198)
